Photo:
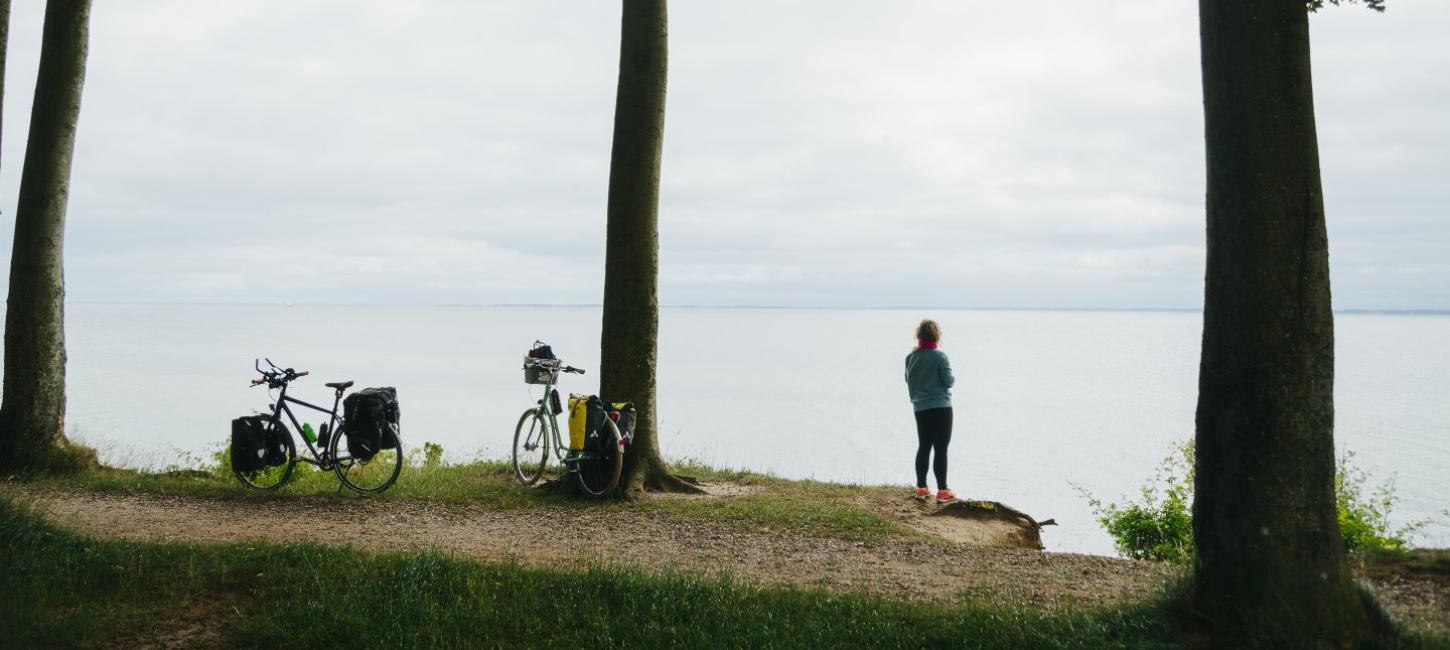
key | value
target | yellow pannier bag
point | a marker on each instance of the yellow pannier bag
(578, 420)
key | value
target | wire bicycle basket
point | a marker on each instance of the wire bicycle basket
(540, 371)
(540, 365)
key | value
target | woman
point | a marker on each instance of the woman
(929, 381)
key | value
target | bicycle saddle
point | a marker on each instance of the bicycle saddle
(340, 385)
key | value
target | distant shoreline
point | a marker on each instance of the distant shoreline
(1173, 310)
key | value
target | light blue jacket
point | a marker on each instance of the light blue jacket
(929, 379)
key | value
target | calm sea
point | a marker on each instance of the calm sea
(1045, 400)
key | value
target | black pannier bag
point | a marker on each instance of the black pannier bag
(595, 433)
(371, 416)
(276, 453)
(249, 443)
(627, 416)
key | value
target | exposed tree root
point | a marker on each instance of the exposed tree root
(671, 483)
(657, 478)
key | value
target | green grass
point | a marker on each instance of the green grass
(1424, 563)
(65, 589)
(485, 482)
(822, 509)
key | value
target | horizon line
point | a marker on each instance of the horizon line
(507, 305)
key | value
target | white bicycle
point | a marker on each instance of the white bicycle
(597, 466)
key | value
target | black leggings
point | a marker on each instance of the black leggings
(933, 430)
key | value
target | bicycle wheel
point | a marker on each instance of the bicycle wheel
(369, 476)
(531, 447)
(599, 469)
(273, 476)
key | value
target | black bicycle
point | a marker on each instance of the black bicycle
(329, 450)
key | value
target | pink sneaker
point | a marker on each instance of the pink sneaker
(945, 496)
(922, 494)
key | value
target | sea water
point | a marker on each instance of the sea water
(1046, 402)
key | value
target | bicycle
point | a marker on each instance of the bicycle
(596, 470)
(365, 476)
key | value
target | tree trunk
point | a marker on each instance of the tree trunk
(4, 47)
(32, 415)
(1270, 563)
(628, 346)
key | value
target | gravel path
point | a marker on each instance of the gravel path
(946, 573)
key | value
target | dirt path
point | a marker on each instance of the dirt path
(949, 573)
(555, 538)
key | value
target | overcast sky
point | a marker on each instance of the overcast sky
(817, 153)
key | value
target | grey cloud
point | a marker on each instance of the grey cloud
(817, 153)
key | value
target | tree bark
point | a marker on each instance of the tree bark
(32, 414)
(1270, 564)
(629, 338)
(4, 47)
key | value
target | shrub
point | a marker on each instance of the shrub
(1364, 516)
(1160, 525)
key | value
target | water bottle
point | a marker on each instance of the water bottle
(322, 436)
(308, 433)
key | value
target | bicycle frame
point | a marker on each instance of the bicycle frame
(319, 459)
(553, 422)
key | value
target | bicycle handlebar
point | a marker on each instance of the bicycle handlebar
(552, 364)
(278, 376)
